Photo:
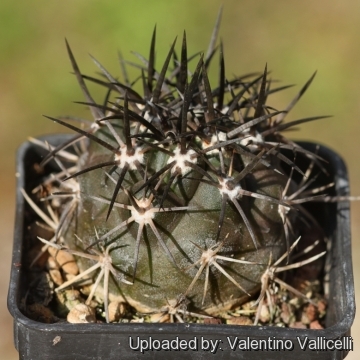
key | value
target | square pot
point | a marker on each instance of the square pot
(37, 341)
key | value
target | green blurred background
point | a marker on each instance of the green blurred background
(294, 37)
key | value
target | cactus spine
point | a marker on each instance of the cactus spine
(177, 196)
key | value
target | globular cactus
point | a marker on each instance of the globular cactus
(177, 196)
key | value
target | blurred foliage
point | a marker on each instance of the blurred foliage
(294, 38)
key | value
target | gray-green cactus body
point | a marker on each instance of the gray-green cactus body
(184, 183)
(165, 271)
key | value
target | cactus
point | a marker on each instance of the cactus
(178, 197)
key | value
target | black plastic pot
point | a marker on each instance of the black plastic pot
(37, 341)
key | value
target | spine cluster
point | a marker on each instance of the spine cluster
(181, 197)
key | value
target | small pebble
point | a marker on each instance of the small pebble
(309, 314)
(239, 320)
(264, 314)
(315, 325)
(81, 314)
(212, 321)
(160, 318)
(65, 260)
(116, 311)
(286, 313)
(322, 307)
(56, 276)
(298, 325)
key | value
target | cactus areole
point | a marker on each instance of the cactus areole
(177, 194)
